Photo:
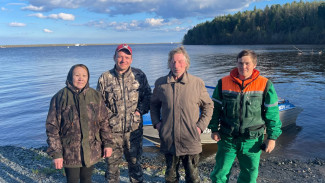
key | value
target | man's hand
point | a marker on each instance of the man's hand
(199, 130)
(58, 163)
(158, 126)
(215, 136)
(107, 152)
(137, 113)
(270, 144)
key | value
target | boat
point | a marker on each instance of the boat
(288, 116)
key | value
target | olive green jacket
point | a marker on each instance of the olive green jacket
(245, 108)
(77, 127)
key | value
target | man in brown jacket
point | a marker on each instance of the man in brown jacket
(181, 109)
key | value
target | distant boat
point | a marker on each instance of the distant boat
(68, 46)
(288, 117)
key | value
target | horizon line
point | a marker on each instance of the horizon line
(76, 44)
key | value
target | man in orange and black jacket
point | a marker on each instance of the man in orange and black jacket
(244, 104)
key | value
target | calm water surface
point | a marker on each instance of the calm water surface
(31, 76)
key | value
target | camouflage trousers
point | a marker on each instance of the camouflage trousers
(129, 144)
(190, 163)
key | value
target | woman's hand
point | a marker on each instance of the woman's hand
(58, 163)
(107, 152)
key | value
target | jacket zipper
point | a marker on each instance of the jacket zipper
(123, 88)
(241, 106)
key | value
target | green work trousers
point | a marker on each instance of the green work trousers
(248, 153)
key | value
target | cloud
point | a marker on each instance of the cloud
(154, 22)
(33, 8)
(47, 31)
(39, 15)
(17, 24)
(134, 25)
(161, 8)
(3, 9)
(63, 16)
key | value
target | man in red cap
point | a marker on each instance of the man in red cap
(127, 93)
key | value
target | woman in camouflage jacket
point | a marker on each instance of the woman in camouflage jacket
(77, 127)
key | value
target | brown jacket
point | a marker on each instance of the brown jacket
(77, 126)
(181, 106)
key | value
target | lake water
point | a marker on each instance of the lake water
(31, 76)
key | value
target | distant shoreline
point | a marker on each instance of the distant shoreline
(75, 44)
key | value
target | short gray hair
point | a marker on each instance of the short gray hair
(181, 50)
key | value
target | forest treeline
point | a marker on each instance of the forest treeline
(295, 23)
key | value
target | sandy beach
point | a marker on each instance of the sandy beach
(32, 165)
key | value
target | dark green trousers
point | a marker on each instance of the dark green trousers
(190, 163)
(248, 154)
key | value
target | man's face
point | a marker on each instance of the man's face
(122, 61)
(245, 67)
(178, 64)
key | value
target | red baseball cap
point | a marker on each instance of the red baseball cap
(123, 46)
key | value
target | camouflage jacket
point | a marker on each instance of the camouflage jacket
(124, 94)
(77, 127)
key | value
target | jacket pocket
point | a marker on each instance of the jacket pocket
(71, 150)
(113, 121)
(188, 126)
(66, 141)
(133, 96)
(93, 112)
(253, 106)
(67, 120)
(135, 121)
(96, 147)
(227, 129)
(254, 131)
(230, 108)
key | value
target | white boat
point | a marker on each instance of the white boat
(288, 117)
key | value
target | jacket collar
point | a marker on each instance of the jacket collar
(125, 74)
(234, 74)
(183, 80)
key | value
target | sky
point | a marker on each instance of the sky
(24, 22)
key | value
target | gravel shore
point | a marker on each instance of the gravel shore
(32, 165)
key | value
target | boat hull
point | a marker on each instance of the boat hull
(287, 116)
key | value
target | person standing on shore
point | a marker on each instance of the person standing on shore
(127, 93)
(77, 127)
(244, 104)
(180, 109)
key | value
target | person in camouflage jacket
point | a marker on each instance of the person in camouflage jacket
(127, 96)
(77, 127)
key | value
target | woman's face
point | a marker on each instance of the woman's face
(79, 77)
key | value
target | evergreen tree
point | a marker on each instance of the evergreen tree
(295, 23)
